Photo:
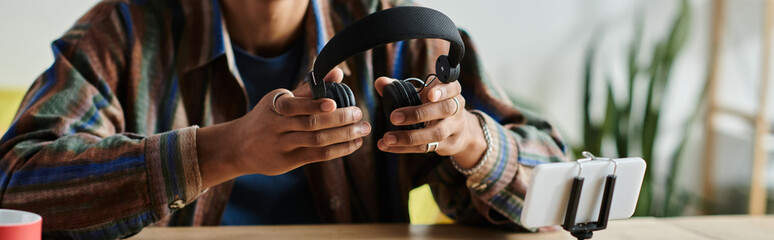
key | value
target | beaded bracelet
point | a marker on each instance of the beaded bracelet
(482, 162)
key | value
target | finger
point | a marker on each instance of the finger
(337, 118)
(444, 147)
(326, 137)
(402, 149)
(335, 75)
(439, 91)
(382, 82)
(303, 91)
(427, 112)
(318, 154)
(289, 106)
(434, 133)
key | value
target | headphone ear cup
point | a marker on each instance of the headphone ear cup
(349, 96)
(332, 91)
(412, 95)
(391, 100)
(400, 94)
(338, 93)
(411, 98)
(403, 93)
(341, 97)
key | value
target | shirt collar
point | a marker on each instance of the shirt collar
(204, 37)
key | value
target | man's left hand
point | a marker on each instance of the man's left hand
(457, 131)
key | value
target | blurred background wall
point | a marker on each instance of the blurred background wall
(536, 51)
(28, 29)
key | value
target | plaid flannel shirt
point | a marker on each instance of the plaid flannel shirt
(104, 142)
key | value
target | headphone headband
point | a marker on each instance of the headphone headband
(382, 27)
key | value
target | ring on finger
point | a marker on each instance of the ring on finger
(431, 147)
(458, 106)
(274, 100)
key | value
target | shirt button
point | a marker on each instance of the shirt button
(335, 203)
(479, 186)
(178, 204)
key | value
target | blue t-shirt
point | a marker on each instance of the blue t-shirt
(265, 200)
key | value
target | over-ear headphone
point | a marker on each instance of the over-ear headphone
(379, 28)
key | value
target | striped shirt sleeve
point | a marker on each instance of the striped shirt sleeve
(519, 141)
(67, 156)
(502, 181)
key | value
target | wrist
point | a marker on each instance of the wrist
(475, 146)
(216, 158)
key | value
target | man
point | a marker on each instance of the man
(176, 113)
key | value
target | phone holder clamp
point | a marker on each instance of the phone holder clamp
(586, 230)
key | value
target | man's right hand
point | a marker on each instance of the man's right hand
(302, 130)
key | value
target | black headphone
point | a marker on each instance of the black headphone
(379, 28)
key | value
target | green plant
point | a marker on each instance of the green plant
(639, 135)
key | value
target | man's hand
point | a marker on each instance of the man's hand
(456, 130)
(302, 130)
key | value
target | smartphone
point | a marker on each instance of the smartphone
(549, 188)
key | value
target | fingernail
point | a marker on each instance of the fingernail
(390, 139)
(365, 128)
(382, 146)
(358, 141)
(437, 95)
(398, 117)
(357, 113)
(327, 106)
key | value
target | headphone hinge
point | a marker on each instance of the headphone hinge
(318, 88)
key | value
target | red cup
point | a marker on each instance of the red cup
(21, 225)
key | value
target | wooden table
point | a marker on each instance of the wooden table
(728, 227)
(716, 227)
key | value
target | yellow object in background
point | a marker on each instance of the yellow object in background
(422, 206)
(9, 104)
(423, 209)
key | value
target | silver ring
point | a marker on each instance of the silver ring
(458, 106)
(434, 145)
(274, 101)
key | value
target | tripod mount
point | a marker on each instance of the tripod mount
(586, 230)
